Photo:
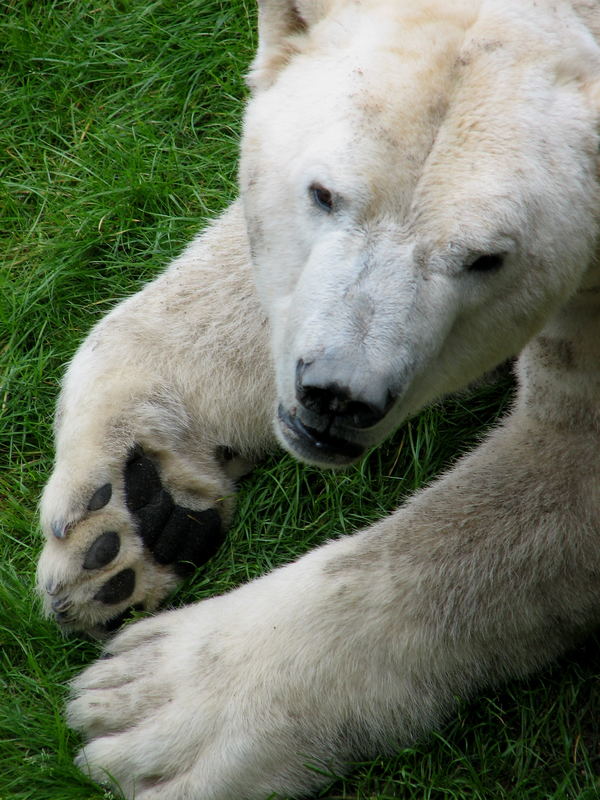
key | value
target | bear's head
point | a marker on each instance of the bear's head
(420, 186)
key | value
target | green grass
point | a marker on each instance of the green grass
(119, 125)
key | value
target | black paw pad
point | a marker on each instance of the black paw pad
(117, 588)
(102, 551)
(189, 539)
(142, 483)
(173, 534)
(100, 497)
(205, 535)
(154, 517)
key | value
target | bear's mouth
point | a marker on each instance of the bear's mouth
(310, 444)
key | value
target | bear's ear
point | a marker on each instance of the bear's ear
(282, 27)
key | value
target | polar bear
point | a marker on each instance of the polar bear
(419, 201)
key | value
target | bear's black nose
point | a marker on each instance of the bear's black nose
(334, 390)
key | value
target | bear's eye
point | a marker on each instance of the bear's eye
(487, 263)
(322, 196)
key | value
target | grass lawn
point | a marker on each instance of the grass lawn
(119, 126)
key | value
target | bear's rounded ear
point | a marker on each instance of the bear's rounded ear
(282, 27)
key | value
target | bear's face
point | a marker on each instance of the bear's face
(419, 181)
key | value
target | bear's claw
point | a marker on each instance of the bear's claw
(130, 548)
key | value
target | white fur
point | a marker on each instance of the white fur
(446, 131)
(141, 377)
(464, 130)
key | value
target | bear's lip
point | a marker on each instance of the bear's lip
(316, 446)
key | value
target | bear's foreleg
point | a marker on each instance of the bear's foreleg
(167, 401)
(365, 642)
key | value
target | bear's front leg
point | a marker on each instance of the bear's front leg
(361, 644)
(167, 401)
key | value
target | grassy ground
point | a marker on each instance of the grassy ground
(119, 124)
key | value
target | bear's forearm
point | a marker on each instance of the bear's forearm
(194, 340)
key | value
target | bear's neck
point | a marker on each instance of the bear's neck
(559, 370)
